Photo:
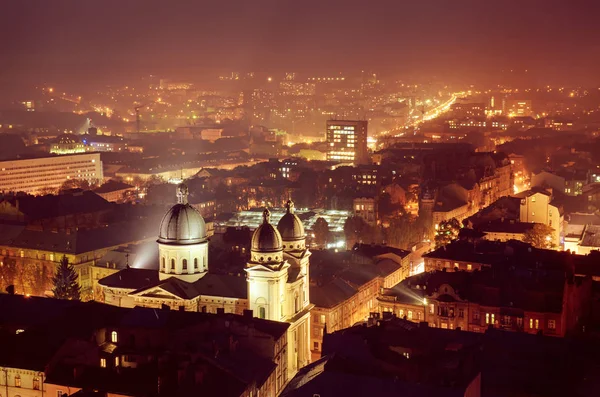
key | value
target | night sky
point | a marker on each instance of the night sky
(460, 39)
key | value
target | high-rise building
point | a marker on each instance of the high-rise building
(347, 141)
(39, 175)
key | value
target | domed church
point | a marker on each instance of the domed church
(276, 286)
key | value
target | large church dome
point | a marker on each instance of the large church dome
(266, 238)
(290, 226)
(182, 224)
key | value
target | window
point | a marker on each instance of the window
(185, 264)
(116, 361)
(401, 313)
(114, 337)
(195, 263)
(530, 323)
(315, 345)
(469, 267)
(172, 264)
(431, 308)
(163, 264)
(406, 354)
(262, 313)
(322, 319)
(487, 318)
(551, 324)
(537, 323)
(410, 314)
(103, 362)
(493, 320)
(36, 383)
(17, 381)
(461, 313)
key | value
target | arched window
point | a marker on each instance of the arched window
(262, 312)
(172, 264)
(114, 337)
(17, 381)
(195, 263)
(296, 303)
(185, 264)
(163, 263)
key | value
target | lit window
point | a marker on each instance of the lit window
(537, 323)
(116, 361)
(262, 313)
(487, 318)
(17, 381)
(103, 362)
(469, 267)
(114, 337)
(36, 383)
(530, 323)
(410, 315)
(551, 324)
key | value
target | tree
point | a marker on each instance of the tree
(321, 231)
(446, 232)
(403, 232)
(66, 285)
(540, 236)
(356, 230)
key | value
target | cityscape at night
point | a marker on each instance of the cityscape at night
(299, 199)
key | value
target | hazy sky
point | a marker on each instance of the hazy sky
(98, 39)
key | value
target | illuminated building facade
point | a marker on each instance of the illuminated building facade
(347, 141)
(518, 107)
(276, 286)
(37, 175)
(67, 144)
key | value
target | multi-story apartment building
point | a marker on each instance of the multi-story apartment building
(40, 175)
(539, 301)
(350, 296)
(538, 206)
(347, 141)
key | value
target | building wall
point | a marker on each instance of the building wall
(21, 382)
(537, 209)
(347, 141)
(503, 236)
(35, 175)
(477, 318)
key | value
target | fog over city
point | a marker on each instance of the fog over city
(299, 198)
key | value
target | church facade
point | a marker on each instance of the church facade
(276, 286)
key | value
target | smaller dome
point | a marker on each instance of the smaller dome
(290, 226)
(266, 238)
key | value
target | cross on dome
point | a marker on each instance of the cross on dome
(182, 193)
(289, 206)
(266, 216)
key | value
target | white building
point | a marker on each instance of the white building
(37, 175)
(537, 206)
(276, 286)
